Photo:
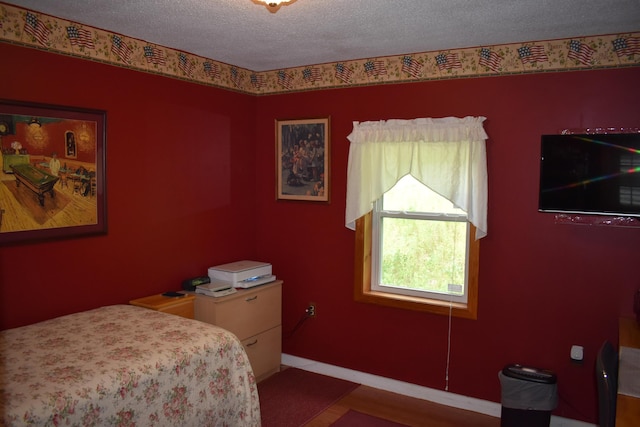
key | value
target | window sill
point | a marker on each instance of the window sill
(416, 304)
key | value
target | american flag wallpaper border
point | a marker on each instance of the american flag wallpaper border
(41, 31)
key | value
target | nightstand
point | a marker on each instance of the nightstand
(254, 315)
(180, 306)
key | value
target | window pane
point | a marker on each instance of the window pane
(424, 255)
(411, 195)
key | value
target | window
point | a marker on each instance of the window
(440, 163)
(421, 246)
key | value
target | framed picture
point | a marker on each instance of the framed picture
(302, 160)
(52, 183)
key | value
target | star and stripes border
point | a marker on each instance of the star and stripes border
(42, 31)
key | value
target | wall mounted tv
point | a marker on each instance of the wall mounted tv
(590, 174)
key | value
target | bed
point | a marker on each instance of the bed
(127, 366)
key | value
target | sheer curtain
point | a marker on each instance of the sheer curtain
(446, 154)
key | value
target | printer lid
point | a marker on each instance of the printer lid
(244, 265)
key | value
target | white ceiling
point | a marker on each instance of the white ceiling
(306, 32)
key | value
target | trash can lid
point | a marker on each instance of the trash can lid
(528, 373)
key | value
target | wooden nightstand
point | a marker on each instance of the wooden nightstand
(254, 316)
(180, 306)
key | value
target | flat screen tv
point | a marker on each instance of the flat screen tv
(590, 174)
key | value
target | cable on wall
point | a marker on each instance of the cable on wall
(304, 317)
(446, 375)
(451, 272)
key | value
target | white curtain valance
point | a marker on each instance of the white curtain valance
(446, 154)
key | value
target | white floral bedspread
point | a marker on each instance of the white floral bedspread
(123, 365)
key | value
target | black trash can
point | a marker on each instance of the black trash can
(528, 396)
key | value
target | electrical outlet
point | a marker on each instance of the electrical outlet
(311, 310)
(577, 353)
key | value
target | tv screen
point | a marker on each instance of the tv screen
(590, 174)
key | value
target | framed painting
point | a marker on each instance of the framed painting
(302, 160)
(52, 183)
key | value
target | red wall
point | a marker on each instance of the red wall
(175, 205)
(543, 286)
(190, 183)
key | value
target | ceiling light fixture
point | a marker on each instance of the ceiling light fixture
(273, 5)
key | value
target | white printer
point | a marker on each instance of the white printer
(242, 274)
(216, 289)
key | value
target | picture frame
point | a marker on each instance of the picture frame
(303, 152)
(53, 177)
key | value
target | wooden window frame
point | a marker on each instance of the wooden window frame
(362, 279)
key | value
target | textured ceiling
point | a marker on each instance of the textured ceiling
(247, 35)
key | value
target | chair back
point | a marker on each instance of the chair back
(607, 381)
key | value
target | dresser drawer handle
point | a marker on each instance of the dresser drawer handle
(253, 298)
(252, 343)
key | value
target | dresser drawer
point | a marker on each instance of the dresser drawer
(184, 309)
(245, 313)
(264, 352)
(182, 306)
(251, 312)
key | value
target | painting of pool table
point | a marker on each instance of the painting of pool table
(52, 182)
(36, 180)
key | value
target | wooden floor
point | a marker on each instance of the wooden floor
(22, 210)
(401, 409)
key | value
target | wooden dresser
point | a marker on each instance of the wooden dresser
(180, 306)
(254, 315)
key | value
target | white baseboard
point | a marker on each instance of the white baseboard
(407, 389)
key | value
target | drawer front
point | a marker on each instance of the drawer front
(250, 313)
(264, 351)
(183, 309)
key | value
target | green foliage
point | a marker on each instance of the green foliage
(423, 254)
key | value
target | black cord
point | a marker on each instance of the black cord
(305, 316)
